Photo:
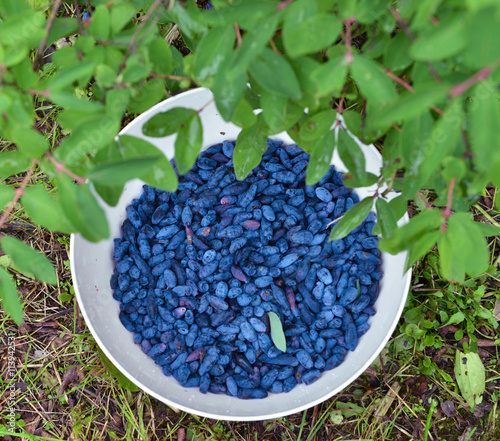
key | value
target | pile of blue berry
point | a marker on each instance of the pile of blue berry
(197, 271)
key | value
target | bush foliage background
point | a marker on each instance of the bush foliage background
(417, 79)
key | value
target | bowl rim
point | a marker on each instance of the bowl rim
(75, 238)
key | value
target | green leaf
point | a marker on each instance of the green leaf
(211, 52)
(413, 146)
(24, 28)
(458, 317)
(161, 56)
(373, 83)
(45, 210)
(410, 105)
(62, 27)
(409, 234)
(105, 75)
(82, 209)
(386, 220)
(71, 101)
(80, 73)
(278, 112)
(396, 52)
(162, 174)
(306, 35)
(123, 381)
(189, 19)
(469, 244)
(24, 75)
(10, 299)
(100, 25)
(87, 138)
(470, 376)
(135, 70)
(277, 334)
(321, 158)
(352, 218)
(244, 116)
(150, 93)
(250, 146)
(275, 75)
(451, 267)
(228, 91)
(121, 15)
(484, 114)
(487, 230)
(188, 143)
(30, 142)
(445, 41)
(117, 173)
(317, 125)
(329, 78)
(116, 102)
(6, 195)
(167, 123)
(481, 49)
(252, 45)
(369, 11)
(29, 261)
(350, 153)
(421, 247)
(12, 163)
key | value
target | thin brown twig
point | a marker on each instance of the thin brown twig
(19, 191)
(202, 108)
(459, 89)
(131, 46)
(60, 168)
(78, 16)
(238, 34)
(348, 40)
(447, 210)
(408, 87)
(43, 43)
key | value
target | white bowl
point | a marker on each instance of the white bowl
(92, 266)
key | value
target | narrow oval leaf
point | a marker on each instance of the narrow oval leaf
(117, 173)
(228, 91)
(481, 49)
(6, 195)
(329, 78)
(484, 114)
(29, 261)
(421, 247)
(277, 334)
(470, 376)
(373, 83)
(100, 23)
(30, 142)
(352, 218)
(161, 56)
(410, 105)
(10, 298)
(211, 51)
(386, 220)
(317, 125)
(448, 39)
(414, 147)
(321, 158)
(12, 163)
(82, 209)
(274, 74)
(45, 211)
(250, 146)
(244, 116)
(310, 35)
(279, 113)
(167, 123)
(162, 175)
(404, 237)
(188, 143)
(350, 153)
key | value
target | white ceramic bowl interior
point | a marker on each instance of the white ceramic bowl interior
(91, 267)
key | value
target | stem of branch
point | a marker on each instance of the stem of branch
(202, 108)
(43, 43)
(131, 46)
(459, 89)
(18, 193)
(348, 40)
(447, 210)
(282, 5)
(410, 88)
(238, 34)
(60, 168)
